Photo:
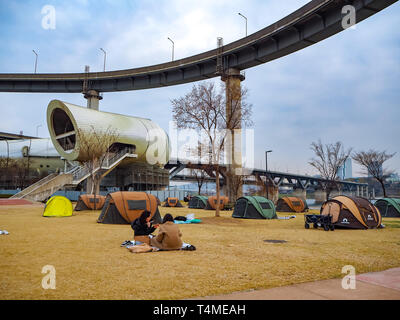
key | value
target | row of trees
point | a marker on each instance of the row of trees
(14, 173)
(330, 157)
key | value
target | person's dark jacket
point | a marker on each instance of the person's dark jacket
(141, 229)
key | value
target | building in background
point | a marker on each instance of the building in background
(346, 171)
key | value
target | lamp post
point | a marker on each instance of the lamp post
(37, 130)
(245, 19)
(173, 48)
(35, 59)
(105, 54)
(266, 170)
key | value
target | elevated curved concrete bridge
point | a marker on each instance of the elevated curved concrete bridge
(314, 22)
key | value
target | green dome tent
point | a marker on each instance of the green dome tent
(198, 202)
(254, 207)
(389, 207)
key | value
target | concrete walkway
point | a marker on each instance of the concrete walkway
(383, 285)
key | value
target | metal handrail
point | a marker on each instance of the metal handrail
(81, 171)
(32, 187)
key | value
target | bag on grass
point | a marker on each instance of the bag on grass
(141, 248)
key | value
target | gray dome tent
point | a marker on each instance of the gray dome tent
(198, 202)
(254, 207)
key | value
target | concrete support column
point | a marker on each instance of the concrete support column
(358, 191)
(93, 97)
(233, 144)
(320, 196)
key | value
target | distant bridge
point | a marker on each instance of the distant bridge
(253, 177)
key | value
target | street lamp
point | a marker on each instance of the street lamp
(37, 130)
(173, 47)
(35, 59)
(266, 170)
(245, 19)
(105, 54)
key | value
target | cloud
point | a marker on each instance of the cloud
(345, 88)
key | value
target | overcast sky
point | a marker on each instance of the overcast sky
(345, 88)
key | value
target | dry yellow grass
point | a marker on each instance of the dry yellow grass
(231, 256)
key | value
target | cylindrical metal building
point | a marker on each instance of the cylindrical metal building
(148, 140)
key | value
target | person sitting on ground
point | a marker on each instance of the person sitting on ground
(169, 236)
(143, 228)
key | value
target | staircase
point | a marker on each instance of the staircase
(45, 187)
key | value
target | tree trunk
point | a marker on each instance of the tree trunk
(328, 192)
(95, 192)
(383, 187)
(217, 188)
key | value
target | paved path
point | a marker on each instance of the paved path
(383, 285)
(14, 202)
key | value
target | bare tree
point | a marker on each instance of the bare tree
(372, 161)
(200, 177)
(13, 172)
(204, 109)
(94, 145)
(328, 159)
(198, 170)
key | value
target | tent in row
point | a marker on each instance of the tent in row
(58, 206)
(90, 202)
(352, 213)
(172, 202)
(254, 207)
(208, 203)
(123, 207)
(291, 204)
(389, 207)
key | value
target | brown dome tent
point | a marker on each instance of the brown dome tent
(87, 202)
(172, 202)
(291, 204)
(352, 213)
(123, 207)
(212, 202)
